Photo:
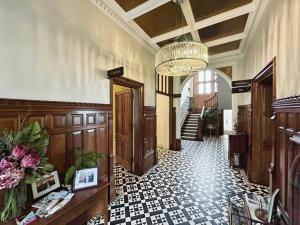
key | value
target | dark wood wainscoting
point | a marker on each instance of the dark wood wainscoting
(149, 130)
(244, 127)
(70, 126)
(284, 169)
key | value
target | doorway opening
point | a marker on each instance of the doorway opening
(263, 94)
(127, 99)
(227, 120)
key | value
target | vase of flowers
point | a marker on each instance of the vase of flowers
(22, 160)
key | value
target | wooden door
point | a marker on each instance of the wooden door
(263, 93)
(124, 129)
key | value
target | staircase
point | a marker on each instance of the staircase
(189, 129)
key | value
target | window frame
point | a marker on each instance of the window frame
(204, 82)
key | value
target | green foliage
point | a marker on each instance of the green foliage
(210, 113)
(32, 136)
(36, 140)
(69, 175)
(83, 159)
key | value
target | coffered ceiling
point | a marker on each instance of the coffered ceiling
(223, 25)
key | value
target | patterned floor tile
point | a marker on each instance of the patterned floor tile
(187, 187)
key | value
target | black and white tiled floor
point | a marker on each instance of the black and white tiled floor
(187, 187)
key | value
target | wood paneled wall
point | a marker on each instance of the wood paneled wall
(149, 130)
(285, 151)
(69, 125)
(244, 126)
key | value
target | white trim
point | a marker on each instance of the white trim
(226, 56)
(171, 34)
(118, 15)
(227, 39)
(189, 17)
(188, 13)
(144, 8)
(207, 22)
(111, 13)
(196, 36)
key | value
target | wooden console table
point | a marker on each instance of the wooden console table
(83, 206)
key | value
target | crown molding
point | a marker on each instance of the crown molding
(226, 56)
(107, 10)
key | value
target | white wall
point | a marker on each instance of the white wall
(278, 34)
(60, 50)
(185, 91)
(224, 93)
(162, 111)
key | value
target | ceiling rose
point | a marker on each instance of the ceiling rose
(181, 58)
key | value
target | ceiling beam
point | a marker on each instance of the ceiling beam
(189, 17)
(144, 8)
(227, 39)
(207, 22)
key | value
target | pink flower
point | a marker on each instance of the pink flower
(10, 178)
(5, 164)
(30, 161)
(19, 151)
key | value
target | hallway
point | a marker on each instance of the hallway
(187, 187)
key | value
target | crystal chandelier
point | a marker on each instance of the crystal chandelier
(181, 58)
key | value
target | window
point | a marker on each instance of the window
(207, 82)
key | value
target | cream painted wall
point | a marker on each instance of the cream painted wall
(278, 34)
(60, 50)
(162, 111)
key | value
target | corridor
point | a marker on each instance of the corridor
(187, 187)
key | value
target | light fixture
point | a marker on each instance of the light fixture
(181, 58)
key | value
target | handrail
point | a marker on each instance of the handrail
(212, 101)
(200, 125)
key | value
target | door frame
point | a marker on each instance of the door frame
(268, 72)
(137, 144)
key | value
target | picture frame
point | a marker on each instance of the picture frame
(48, 183)
(86, 178)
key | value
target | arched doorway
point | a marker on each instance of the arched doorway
(193, 91)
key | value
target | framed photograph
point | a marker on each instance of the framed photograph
(48, 183)
(85, 178)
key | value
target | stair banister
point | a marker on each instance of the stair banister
(212, 101)
(200, 125)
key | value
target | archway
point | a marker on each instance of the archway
(219, 72)
(224, 100)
